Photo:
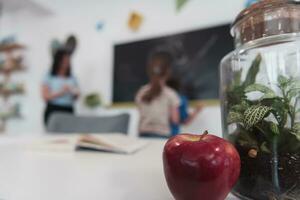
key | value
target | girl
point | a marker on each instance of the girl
(59, 89)
(157, 103)
(185, 117)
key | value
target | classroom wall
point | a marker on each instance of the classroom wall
(92, 61)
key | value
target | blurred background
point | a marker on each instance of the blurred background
(113, 41)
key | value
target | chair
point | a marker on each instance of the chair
(68, 123)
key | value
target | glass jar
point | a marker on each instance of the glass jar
(260, 95)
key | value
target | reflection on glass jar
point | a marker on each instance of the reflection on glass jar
(260, 91)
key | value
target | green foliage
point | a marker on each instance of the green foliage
(264, 148)
(271, 116)
(180, 4)
(296, 130)
(254, 69)
(255, 114)
(92, 100)
(235, 117)
(240, 108)
(268, 93)
(274, 128)
(283, 81)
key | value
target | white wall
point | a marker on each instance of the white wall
(93, 59)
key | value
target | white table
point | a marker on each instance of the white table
(27, 174)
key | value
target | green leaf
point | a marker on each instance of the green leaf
(252, 73)
(255, 114)
(235, 95)
(296, 130)
(295, 83)
(240, 107)
(268, 93)
(234, 117)
(180, 4)
(268, 96)
(247, 140)
(274, 128)
(294, 89)
(293, 93)
(237, 77)
(264, 148)
(278, 109)
(283, 81)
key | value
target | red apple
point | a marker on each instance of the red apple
(200, 167)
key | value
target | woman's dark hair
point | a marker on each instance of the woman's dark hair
(71, 44)
(158, 70)
(57, 60)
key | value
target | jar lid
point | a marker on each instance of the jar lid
(266, 18)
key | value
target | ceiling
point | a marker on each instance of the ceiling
(9, 6)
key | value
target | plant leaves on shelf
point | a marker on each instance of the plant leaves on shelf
(255, 114)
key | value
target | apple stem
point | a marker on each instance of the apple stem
(203, 135)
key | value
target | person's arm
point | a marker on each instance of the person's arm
(193, 115)
(48, 95)
(75, 92)
(175, 115)
(75, 89)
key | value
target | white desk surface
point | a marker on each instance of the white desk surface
(27, 174)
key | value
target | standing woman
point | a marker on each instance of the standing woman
(157, 103)
(60, 88)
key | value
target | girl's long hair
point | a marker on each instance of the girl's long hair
(57, 60)
(158, 71)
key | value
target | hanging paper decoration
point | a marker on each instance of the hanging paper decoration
(250, 2)
(135, 21)
(99, 26)
(180, 4)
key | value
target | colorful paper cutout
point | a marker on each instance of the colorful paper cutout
(180, 4)
(135, 21)
(250, 2)
(99, 26)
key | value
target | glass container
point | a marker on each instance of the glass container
(260, 97)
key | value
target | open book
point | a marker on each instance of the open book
(115, 143)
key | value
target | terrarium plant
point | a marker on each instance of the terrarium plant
(93, 100)
(262, 122)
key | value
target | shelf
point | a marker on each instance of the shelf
(7, 90)
(7, 93)
(12, 70)
(11, 47)
(33, 6)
